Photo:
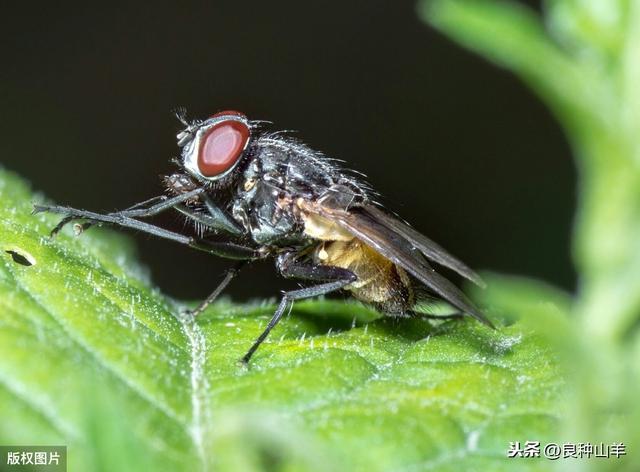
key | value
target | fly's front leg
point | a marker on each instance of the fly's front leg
(334, 278)
(164, 204)
(113, 218)
(220, 220)
(156, 199)
(217, 221)
(224, 222)
(86, 225)
(222, 249)
(214, 219)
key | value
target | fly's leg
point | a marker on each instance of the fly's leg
(216, 219)
(288, 297)
(165, 204)
(159, 198)
(84, 226)
(63, 222)
(334, 278)
(228, 277)
(220, 221)
(223, 249)
(224, 222)
(73, 214)
(117, 219)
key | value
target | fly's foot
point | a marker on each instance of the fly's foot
(78, 228)
(61, 225)
(188, 313)
(193, 313)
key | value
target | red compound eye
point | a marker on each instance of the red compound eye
(222, 146)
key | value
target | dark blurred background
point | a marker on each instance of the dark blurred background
(459, 148)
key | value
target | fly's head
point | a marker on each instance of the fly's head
(214, 148)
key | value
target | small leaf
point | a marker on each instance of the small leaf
(93, 357)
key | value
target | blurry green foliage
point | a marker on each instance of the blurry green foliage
(582, 57)
(91, 356)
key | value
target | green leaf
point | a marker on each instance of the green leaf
(94, 357)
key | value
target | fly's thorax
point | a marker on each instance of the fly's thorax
(258, 205)
(281, 173)
(301, 170)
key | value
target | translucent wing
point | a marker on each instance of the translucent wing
(430, 249)
(397, 248)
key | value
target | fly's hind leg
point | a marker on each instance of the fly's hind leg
(288, 297)
(334, 278)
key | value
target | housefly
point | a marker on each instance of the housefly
(271, 196)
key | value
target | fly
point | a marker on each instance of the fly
(271, 196)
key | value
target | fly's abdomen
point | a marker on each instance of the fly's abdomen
(380, 282)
